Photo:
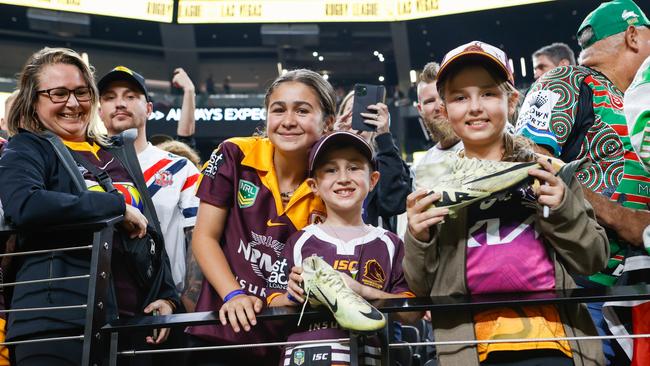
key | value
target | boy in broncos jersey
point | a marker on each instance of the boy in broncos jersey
(342, 172)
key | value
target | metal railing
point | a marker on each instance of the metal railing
(387, 306)
(100, 340)
(98, 281)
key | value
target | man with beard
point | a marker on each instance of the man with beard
(429, 105)
(125, 104)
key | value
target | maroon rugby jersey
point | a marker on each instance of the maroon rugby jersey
(240, 176)
(130, 297)
(374, 260)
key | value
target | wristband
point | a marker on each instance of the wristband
(292, 299)
(233, 294)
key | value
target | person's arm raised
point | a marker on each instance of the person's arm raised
(187, 122)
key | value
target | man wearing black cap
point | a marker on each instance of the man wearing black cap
(170, 179)
(576, 112)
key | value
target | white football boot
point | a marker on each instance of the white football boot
(324, 285)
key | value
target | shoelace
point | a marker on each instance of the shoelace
(334, 280)
(304, 304)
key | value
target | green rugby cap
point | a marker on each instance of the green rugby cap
(611, 18)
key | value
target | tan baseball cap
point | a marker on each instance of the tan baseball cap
(477, 50)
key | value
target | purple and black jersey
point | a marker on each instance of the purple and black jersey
(240, 176)
(374, 260)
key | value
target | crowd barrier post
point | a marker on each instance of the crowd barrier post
(94, 347)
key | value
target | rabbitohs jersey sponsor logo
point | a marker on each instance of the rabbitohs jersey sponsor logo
(537, 109)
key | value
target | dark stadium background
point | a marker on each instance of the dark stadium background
(249, 55)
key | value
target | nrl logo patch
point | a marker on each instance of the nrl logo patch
(246, 194)
(299, 357)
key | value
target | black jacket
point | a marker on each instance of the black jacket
(388, 199)
(38, 189)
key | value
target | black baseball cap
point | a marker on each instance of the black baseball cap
(123, 73)
(344, 138)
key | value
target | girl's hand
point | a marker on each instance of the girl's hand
(135, 223)
(240, 310)
(380, 119)
(551, 190)
(420, 219)
(294, 288)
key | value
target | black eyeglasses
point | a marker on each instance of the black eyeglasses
(61, 95)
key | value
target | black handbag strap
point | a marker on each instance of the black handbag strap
(65, 157)
(102, 176)
(133, 166)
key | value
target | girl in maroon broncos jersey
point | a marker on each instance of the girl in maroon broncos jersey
(253, 197)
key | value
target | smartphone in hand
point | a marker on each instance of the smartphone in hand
(365, 95)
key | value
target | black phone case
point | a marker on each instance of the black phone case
(365, 95)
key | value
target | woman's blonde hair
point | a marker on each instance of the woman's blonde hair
(23, 112)
(516, 148)
(344, 103)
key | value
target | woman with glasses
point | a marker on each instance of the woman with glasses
(47, 179)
